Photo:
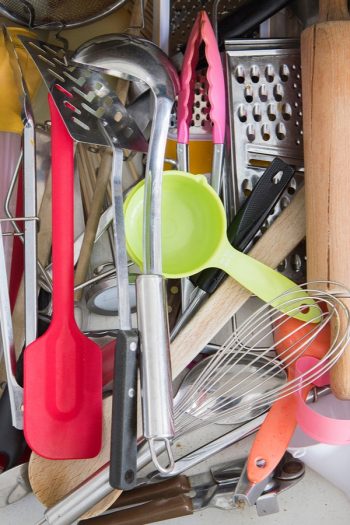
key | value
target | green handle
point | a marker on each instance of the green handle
(265, 283)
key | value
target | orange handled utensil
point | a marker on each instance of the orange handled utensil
(275, 433)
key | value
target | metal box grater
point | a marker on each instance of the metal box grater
(265, 111)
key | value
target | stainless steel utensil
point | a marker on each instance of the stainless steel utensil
(14, 485)
(29, 179)
(15, 390)
(264, 91)
(58, 15)
(137, 59)
(124, 410)
(102, 297)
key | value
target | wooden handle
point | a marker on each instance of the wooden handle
(151, 512)
(276, 243)
(52, 480)
(325, 52)
(168, 488)
(92, 222)
(331, 10)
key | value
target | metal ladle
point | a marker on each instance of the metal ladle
(137, 59)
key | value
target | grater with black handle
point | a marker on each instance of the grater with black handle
(265, 108)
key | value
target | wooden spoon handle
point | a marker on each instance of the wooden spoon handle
(333, 10)
(92, 222)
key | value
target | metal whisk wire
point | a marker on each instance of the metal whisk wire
(218, 390)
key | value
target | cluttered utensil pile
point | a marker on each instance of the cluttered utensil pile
(156, 235)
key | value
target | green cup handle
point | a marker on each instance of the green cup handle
(265, 283)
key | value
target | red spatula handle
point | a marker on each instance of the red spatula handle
(62, 216)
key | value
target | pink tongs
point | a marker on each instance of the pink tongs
(202, 31)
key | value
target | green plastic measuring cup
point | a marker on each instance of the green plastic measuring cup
(194, 238)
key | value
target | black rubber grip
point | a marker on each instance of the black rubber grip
(124, 412)
(249, 218)
(12, 442)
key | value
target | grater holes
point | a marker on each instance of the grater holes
(284, 72)
(254, 74)
(264, 227)
(284, 202)
(247, 187)
(292, 187)
(278, 92)
(239, 74)
(250, 133)
(263, 93)
(257, 113)
(248, 93)
(296, 262)
(282, 265)
(265, 132)
(281, 131)
(242, 113)
(286, 111)
(269, 73)
(271, 112)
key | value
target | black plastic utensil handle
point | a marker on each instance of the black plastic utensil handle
(249, 218)
(124, 411)
(248, 17)
(261, 201)
(12, 442)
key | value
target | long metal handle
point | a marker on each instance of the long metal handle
(157, 396)
(15, 391)
(29, 171)
(152, 232)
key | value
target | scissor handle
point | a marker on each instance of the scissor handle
(202, 30)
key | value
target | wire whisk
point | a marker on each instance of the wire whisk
(241, 380)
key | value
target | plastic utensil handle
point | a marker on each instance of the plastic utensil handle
(257, 207)
(124, 412)
(159, 510)
(249, 219)
(187, 82)
(263, 281)
(62, 216)
(247, 17)
(165, 489)
(216, 81)
(272, 439)
(12, 442)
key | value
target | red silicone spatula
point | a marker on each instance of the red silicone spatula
(63, 368)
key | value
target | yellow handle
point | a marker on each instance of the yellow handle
(10, 108)
(265, 283)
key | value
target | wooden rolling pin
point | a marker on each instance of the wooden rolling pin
(325, 58)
